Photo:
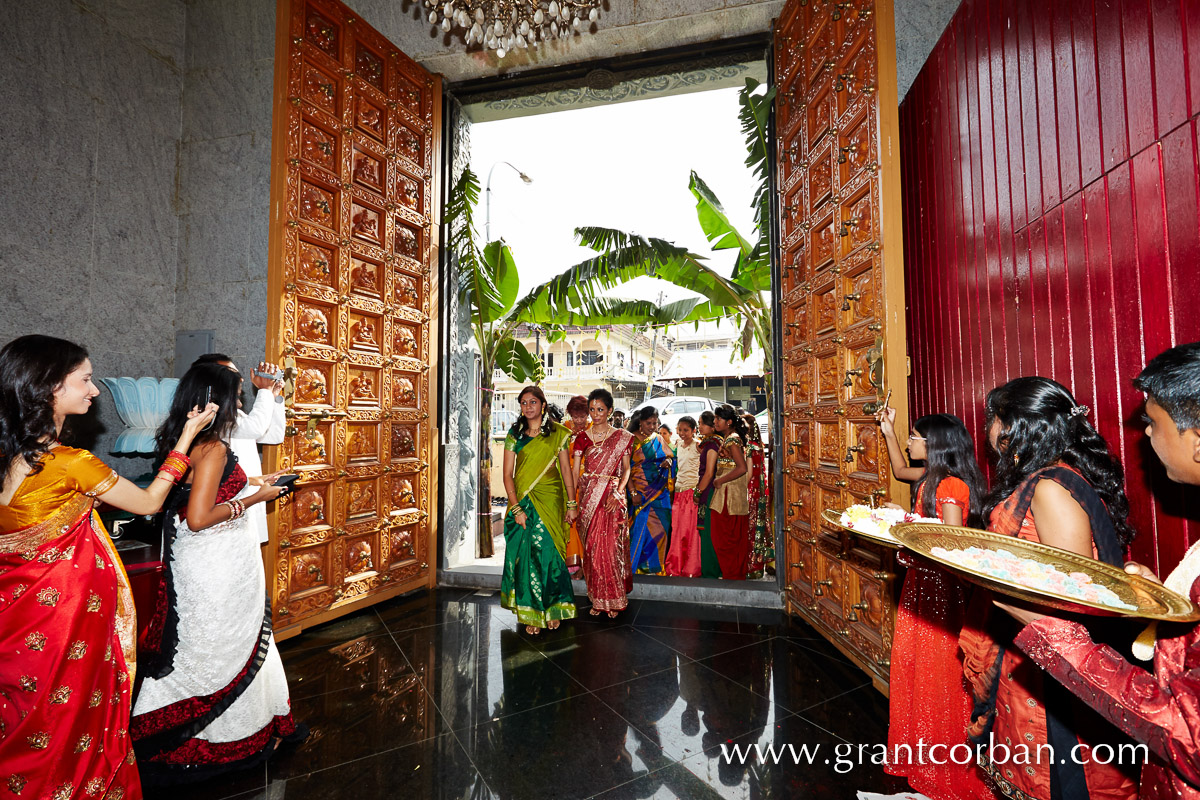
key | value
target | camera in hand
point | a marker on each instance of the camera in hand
(271, 376)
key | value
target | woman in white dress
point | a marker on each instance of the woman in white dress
(215, 696)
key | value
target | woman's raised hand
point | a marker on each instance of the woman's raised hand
(199, 419)
(887, 419)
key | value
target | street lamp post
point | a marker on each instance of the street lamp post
(487, 216)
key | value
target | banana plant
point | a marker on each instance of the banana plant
(621, 256)
(489, 286)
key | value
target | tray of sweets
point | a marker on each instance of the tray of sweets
(1044, 575)
(872, 523)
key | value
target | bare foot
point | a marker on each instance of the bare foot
(595, 612)
(612, 615)
(532, 631)
(553, 624)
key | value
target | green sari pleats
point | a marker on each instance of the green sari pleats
(536, 584)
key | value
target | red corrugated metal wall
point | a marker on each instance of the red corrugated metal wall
(1050, 172)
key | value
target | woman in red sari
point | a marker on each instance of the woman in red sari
(1058, 484)
(68, 620)
(601, 465)
(929, 702)
(762, 549)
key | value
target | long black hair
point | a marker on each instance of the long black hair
(519, 427)
(31, 369)
(949, 452)
(220, 385)
(1043, 425)
(730, 415)
(753, 431)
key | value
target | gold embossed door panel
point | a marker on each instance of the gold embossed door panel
(842, 301)
(353, 256)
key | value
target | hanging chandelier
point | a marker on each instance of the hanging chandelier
(507, 25)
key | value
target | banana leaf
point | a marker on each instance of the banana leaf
(499, 271)
(753, 115)
(516, 361)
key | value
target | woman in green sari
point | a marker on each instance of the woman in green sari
(538, 481)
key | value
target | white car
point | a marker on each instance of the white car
(670, 409)
(764, 425)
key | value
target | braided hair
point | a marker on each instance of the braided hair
(730, 415)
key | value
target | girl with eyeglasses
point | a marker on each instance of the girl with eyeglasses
(928, 701)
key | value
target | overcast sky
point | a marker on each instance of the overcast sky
(625, 166)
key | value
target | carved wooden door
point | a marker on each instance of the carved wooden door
(842, 308)
(353, 247)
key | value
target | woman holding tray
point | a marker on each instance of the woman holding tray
(928, 701)
(652, 479)
(1058, 484)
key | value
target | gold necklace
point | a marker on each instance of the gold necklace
(607, 434)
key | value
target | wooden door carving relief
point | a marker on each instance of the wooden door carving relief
(353, 251)
(842, 307)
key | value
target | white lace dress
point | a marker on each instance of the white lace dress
(225, 698)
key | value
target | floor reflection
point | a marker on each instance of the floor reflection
(438, 696)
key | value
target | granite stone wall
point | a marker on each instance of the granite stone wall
(90, 92)
(224, 174)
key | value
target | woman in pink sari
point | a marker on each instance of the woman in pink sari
(601, 464)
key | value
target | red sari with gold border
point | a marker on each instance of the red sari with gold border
(67, 631)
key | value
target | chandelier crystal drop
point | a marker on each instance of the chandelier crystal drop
(507, 25)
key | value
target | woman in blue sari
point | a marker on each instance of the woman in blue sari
(650, 485)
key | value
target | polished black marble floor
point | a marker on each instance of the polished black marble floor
(437, 695)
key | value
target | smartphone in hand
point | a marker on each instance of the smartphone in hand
(204, 405)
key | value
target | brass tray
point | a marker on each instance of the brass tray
(1152, 600)
(834, 515)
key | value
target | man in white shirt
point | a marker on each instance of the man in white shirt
(263, 425)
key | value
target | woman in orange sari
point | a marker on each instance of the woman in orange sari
(68, 619)
(1058, 484)
(577, 423)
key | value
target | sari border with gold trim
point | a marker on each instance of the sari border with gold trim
(34, 536)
